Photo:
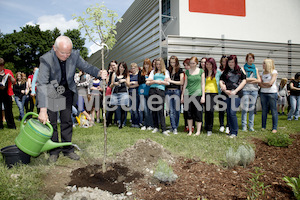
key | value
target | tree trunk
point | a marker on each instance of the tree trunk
(104, 115)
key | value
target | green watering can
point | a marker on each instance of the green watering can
(35, 137)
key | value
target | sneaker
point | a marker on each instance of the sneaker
(53, 158)
(232, 136)
(143, 128)
(168, 131)
(283, 113)
(175, 132)
(165, 133)
(251, 129)
(209, 133)
(222, 129)
(155, 130)
(289, 119)
(98, 120)
(73, 156)
(149, 128)
(227, 130)
(244, 128)
(296, 119)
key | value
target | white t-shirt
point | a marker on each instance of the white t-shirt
(267, 78)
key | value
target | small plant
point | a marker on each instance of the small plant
(295, 184)
(232, 158)
(279, 140)
(247, 155)
(257, 189)
(243, 156)
(164, 172)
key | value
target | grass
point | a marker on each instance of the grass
(29, 183)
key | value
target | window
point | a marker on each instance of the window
(166, 10)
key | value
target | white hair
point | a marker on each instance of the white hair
(64, 39)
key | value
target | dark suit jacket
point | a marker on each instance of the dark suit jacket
(49, 70)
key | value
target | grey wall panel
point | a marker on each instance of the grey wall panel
(185, 47)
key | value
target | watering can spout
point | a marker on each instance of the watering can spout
(52, 145)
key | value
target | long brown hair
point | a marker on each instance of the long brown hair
(125, 73)
(23, 77)
(177, 66)
(147, 61)
(162, 66)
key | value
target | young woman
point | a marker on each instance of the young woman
(295, 97)
(186, 64)
(97, 96)
(212, 89)
(282, 96)
(145, 113)
(223, 62)
(112, 68)
(202, 63)
(157, 84)
(250, 92)
(120, 83)
(194, 89)
(21, 90)
(268, 93)
(173, 90)
(133, 92)
(232, 82)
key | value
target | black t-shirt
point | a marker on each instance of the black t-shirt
(175, 77)
(296, 85)
(233, 79)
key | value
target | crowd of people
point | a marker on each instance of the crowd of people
(154, 91)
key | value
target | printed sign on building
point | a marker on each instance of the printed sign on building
(222, 7)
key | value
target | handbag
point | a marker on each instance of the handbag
(108, 91)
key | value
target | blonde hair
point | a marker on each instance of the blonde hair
(269, 65)
(133, 65)
(283, 82)
(23, 77)
(162, 66)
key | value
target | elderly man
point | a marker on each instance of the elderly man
(59, 65)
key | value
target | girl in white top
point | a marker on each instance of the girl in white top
(268, 93)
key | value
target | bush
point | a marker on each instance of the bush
(164, 172)
(295, 184)
(279, 140)
(243, 156)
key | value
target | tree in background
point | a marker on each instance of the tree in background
(99, 24)
(24, 48)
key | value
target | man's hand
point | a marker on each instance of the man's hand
(103, 74)
(43, 116)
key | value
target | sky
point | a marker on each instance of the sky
(52, 13)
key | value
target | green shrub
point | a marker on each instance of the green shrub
(295, 184)
(243, 156)
(257, 189)
(164, 172)
(279, 140)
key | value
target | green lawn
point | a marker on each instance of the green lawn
(209, 149)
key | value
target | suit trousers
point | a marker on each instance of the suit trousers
(66, 126)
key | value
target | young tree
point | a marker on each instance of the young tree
(99, 24)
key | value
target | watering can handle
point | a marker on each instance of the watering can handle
(35, 114)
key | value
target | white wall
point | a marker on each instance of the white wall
(265, 20)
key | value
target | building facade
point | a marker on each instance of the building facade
(185, 28)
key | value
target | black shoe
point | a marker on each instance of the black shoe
(53, 158)
(73, 156)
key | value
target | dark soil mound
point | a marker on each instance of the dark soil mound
(113, 180)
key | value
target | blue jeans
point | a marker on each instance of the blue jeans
(144, 112)
(134, 104)
(271, 99)
(20, 103)
(248, 104)
(174, 104)
(232, 107)
(295, 107)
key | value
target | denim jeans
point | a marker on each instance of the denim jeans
(134, 103)
(174, 106)
(232, 107)
(144, 112)
(271, 99)
(20, 103)
(295, 107)
(248, 104)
